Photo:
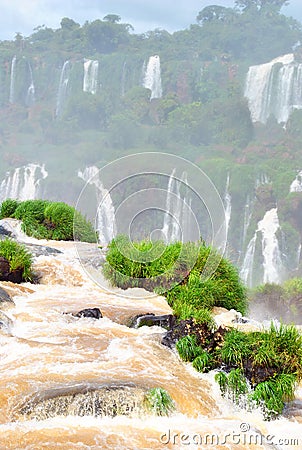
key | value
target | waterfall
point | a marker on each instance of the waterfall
(23, 183)
(227, 205)
(274, 89)
(105, 219)
(296, 185)
(272, 266)
(90, 80)
(63, 88)
(177, 218)
(152, 77)
(123, 81)
(30, 96)
(12, 80)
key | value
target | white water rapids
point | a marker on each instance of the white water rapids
(46, 349)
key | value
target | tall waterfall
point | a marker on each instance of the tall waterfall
(274, 89)
(12, 80)
(227, 205)
(30, 95)
(105, 218)
(176, 225)
(272, 266)
(152, 77)
(63, 88)
(90, 80)
(296, 185)
(23, 183)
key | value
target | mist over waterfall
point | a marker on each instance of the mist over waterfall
(152, 77)
(24, 183)
(90, 80)
(274, 89)
(105, 216)
(271, 268)
(63, 87)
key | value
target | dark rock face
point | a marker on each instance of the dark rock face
(5, 322)
(5, 297)
(4, 233)
(4, 268)
(94, 313)
(41, 250)
(150, 319)
(15, 276)
(205, 336)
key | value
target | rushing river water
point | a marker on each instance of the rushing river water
(45, 352)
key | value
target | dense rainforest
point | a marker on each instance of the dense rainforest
(83, 95)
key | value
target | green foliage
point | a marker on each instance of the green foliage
(271, 394)
(204, 362)
(188, 348)
(271, 359)
(8, 208)
(159, 402)
(17, 256)
(43, 219)
(234, 384)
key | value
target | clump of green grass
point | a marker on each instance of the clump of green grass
(17, 256)
(159, 402)
(43, 219)
(188, 348)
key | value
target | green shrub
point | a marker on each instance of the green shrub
(17, 256)
(43, 219)
(204, 362)
(159, 402)
(188, 348)
(8, 208)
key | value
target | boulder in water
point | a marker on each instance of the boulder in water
(15, 276)
(5, 322)
(150, 319)
(94, 313)
(5, 298)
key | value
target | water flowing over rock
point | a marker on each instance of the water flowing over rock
(63, 88)
(296, 185)
(272, 267)
(23, 183)
(176, 225)
(105, 219)
(227, 205)
(274, 89)
(30, 95)
(12, 80)
(90, 80)
(107, 401)
(152, 77)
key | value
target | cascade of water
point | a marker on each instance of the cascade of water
(274, 89)
(227, 205)
(296, 185)
(176, 226)
(63, 87)
(272, 262)
(246, 272)
(12, 80)
(30, 96)
(152, 77)
(23, 183)
(246, 219)
(90, 80)
(105, 220)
